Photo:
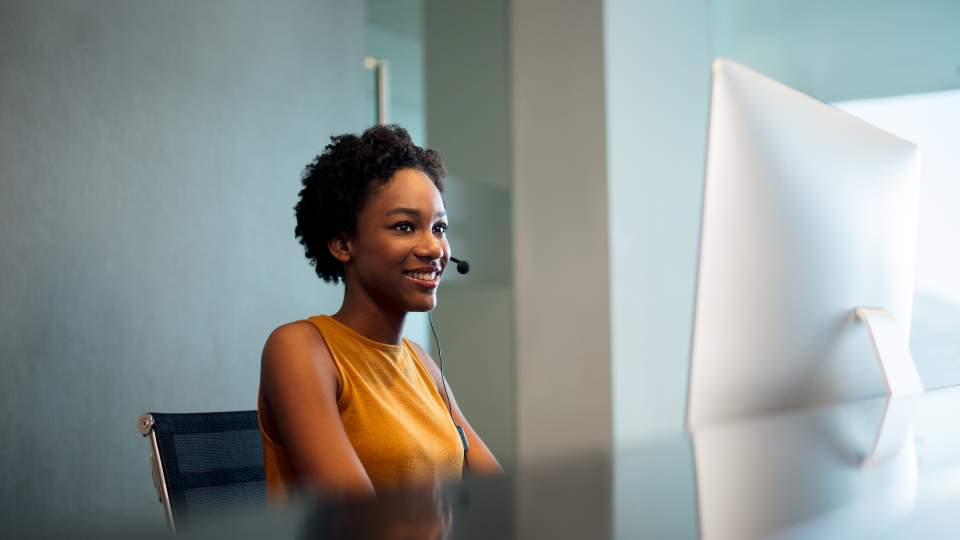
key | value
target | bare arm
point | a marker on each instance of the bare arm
(481, 459)
(300, 384)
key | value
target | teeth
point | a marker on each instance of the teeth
(422, 276)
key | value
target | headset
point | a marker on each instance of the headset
(463, 267)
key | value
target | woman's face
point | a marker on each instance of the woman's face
(400, 249)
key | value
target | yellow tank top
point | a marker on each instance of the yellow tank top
(391, 412)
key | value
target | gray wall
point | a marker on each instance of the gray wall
(150, 155)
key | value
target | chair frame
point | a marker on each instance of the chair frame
(145, 426)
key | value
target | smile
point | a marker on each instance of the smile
(422, 276)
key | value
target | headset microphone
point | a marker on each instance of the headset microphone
(462, 266)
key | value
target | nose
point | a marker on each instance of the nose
(429, 247)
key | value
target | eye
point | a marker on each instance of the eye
(404, 226)
(440, 228)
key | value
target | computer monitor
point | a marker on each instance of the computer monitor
(809, 213)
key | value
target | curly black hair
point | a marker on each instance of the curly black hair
(339, 182)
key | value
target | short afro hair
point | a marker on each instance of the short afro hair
(339, 182)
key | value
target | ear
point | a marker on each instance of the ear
(339, 247)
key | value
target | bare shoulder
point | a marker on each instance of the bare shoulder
(294, 347)
(295, 334)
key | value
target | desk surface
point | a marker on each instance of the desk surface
(815, 473)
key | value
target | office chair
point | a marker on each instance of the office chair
(205, 463)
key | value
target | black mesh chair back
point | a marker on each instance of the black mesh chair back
(205, 463)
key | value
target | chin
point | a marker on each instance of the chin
(422, 306)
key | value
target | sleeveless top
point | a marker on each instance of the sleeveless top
(391, 412)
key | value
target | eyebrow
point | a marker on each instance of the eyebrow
(412, 212)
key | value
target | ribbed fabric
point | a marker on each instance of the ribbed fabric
(391, 412)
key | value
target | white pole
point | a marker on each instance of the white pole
(383, 91)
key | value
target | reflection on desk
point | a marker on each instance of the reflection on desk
(862, 469)
(872, 468)
(761, 476)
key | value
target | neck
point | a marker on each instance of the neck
(361, 314)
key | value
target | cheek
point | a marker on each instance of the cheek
(394, 251)
(385, 252)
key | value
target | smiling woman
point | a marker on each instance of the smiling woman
(347, 406)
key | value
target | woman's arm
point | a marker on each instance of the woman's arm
(481, 459)
(301, 384)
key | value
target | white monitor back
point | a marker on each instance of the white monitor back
(808, 213)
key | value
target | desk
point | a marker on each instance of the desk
(871, 468)
(812, 473)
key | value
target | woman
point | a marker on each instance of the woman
(347, 406)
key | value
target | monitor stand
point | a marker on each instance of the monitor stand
(900, 375)
(901, 380)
